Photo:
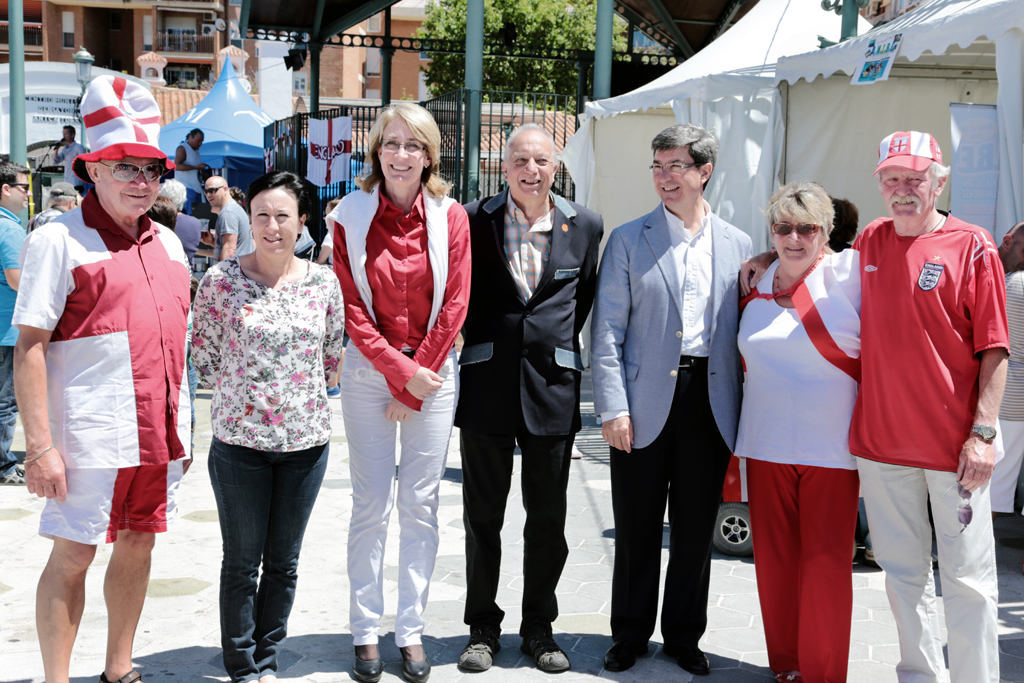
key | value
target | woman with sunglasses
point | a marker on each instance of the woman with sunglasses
(800, 339)
(401, 252)
(267, 335)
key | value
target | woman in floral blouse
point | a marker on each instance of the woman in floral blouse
(268, 333)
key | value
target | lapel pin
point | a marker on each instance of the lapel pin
(565, 228)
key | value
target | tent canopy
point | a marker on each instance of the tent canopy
(741, 63)
(232, 124)
(969, 51)
(937, 27)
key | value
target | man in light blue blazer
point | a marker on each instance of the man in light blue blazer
(668, 387)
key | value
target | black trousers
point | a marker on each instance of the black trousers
(486, 479)
(686, 466)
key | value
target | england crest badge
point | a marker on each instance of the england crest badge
(930, 274)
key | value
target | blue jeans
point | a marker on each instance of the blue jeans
(8, 409)
(193, 383)
(264, 499)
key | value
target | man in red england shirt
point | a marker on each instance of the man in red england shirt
(935, 341)
(934, 344)
(100, 377)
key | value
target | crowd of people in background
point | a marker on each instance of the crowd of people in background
(839, 365)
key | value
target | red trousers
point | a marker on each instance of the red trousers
(803, 520)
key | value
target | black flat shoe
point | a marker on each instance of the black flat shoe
(416, 672)
(367, 670)
(690, 658)
(622, 656)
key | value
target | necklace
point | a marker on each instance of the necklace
(776, 292)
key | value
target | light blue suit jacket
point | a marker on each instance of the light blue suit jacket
(638, 317)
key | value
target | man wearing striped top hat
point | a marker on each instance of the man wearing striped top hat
(100, 377)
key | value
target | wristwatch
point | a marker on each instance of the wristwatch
(986, 432)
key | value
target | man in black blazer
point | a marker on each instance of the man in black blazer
(534, 275)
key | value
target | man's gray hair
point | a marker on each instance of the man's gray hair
(701, 141)
(175, 191)
(526, 127)
(938, 172)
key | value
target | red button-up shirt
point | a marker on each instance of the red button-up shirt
(401, 279)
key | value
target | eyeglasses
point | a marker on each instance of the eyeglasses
(23, 186)
(964, 513)
(126, 173)
(673, 169)
(213, 190)
(803, 229)
(411, 147)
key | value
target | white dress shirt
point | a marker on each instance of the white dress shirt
(693, 266)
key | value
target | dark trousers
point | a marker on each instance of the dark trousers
(264, 499)
(486, 479)
(686, 466)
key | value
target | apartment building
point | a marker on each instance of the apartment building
(880, 11)
(33, 18)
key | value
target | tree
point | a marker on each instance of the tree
(566, 24)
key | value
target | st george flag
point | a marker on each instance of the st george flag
(330, 150)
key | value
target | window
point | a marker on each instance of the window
(147, 32)
(373, 24)
(115, 21)
(175, 75)
(372, 61)
(424, 57)
(300, 84)
(115, 65)
(373, 94)
(150, 73)
(68, 24)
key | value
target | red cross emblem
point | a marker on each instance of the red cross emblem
(110, 113)
(899, 145)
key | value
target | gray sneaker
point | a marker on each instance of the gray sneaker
(478, 655)
(14, 477)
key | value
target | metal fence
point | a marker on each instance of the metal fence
(287, 141)
(501, 113)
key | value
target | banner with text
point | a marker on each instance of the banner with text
(877, 61)
(975, 163)
(330, 150)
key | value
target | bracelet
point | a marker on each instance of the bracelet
(37, 455)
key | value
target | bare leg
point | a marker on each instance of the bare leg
(268, 678)
(125, 592)
(60, 600)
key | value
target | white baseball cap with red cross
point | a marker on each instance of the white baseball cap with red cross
(121, 120)
(908, 149)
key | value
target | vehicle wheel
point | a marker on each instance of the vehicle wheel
(732, 530)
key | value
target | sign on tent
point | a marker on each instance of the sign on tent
(330, 150)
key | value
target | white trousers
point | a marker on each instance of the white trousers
(896, 499)
(371, 445)
(1004, 477)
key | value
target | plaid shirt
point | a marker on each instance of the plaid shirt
(527, 246)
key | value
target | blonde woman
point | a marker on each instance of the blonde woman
(401, 252)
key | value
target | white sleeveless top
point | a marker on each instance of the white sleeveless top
(190, 179)
(797, 406)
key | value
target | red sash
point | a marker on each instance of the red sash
(812, 322)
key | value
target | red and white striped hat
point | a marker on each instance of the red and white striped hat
(121, 120)
(908, 149)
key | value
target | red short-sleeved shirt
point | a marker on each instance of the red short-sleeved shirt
(930, 305)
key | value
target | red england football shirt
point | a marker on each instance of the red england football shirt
(929, 306)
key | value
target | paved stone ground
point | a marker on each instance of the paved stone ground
(178, 638)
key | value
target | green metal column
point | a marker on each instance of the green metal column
(603, 50)
(19, 147)
(851, 9)
(581, 85)
(474, 84)
(386, 54)
(314, 76)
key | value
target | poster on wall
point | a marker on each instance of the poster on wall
(974, 163)
(330, 150)
(876, 64)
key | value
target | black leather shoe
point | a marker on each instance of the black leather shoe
(622, 656)
(416, 672)
(367, 670)
(690, 657)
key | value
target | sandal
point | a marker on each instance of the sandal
(132, 676)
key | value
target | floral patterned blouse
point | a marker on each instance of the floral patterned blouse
(268, 354)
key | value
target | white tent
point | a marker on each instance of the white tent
(729, 86)
(951, 51)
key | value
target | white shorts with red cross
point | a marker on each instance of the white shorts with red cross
(103, 501)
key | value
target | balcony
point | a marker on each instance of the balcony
(184, 43)
(207, 5)
(33, 36)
